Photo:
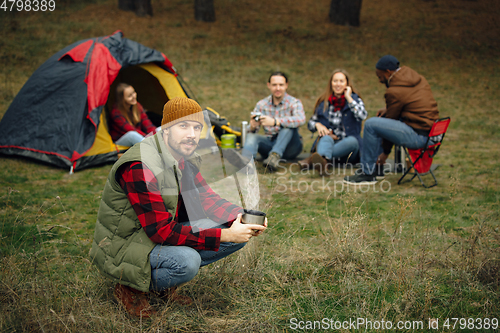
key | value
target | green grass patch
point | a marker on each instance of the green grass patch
(404, 253)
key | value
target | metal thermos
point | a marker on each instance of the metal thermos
(244, 125)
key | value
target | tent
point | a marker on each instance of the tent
(57, 117)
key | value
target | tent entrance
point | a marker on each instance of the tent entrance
(154, 85)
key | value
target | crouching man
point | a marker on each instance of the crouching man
(159, 221)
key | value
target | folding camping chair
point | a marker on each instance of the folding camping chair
(421, 159)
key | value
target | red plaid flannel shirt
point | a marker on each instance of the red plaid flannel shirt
(337, 102)
(120, 125)
(161, 226)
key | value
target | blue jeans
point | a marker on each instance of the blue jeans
(286, 144)
(175, 265)
(129, 139)
(395, 131)
(330, 149)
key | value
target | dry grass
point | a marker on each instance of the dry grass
(408, 254)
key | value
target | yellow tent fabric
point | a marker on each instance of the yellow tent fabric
(172, 87)
(167, 80)
(103, 143)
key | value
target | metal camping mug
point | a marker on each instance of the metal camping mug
(253, 217)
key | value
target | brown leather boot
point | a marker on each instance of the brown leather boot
(135, 302)
(170, 294)
(319, 163)
(305, 163)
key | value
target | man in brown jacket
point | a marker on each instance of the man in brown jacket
(406, 120)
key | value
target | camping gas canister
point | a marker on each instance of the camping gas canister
(228, 141)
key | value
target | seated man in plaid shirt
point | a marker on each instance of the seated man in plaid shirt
(280, 115)
(159, 221)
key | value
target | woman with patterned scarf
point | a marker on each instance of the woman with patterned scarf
(337, 118)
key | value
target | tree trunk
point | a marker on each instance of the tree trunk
(204, 10)
(139, 7)
(126, 5)
(345, 12)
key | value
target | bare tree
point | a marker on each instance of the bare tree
(139, 7)
(204, 10)
(345, 12)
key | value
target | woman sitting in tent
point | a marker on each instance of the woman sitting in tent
(337, 118)
(129, 122)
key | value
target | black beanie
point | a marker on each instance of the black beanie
(387, 62)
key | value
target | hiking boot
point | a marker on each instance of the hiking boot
(305, 163)
(360, 179)
(379, 172)
(319, 163)
(170, 294)
(272, 162)
(135, 302)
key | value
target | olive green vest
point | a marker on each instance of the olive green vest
(121, 247)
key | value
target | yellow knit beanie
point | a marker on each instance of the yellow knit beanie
(180, 109)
